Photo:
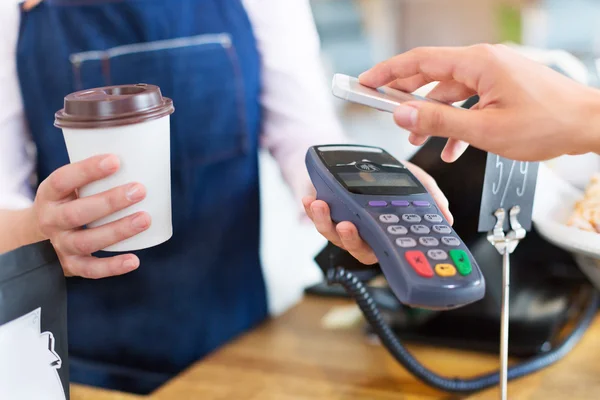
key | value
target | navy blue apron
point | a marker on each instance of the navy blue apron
(204, 286)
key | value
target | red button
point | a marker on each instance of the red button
(419, 262)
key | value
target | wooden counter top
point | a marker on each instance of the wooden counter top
(295, 357)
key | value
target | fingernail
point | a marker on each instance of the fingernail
(140, 222)
(135, 192)
(109, 163)
(406, 116)
(361, 75)
(130, 263)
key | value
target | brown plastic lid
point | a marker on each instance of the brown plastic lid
(113, 106)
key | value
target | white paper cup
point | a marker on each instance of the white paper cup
(137, 131)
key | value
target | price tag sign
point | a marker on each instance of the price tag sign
(507, 183)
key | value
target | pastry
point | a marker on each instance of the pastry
(586, 213)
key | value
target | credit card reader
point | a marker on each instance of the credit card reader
(424, 261)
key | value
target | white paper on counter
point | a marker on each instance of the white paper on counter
(29, 366)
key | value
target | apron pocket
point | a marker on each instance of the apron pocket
(200, 73)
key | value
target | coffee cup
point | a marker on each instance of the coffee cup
(133, 123)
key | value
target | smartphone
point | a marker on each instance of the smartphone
(383, 98)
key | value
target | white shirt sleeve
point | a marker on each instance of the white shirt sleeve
(16, 158)
(296, 99)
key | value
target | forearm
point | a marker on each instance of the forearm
(17, 229)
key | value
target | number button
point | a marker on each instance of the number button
(429, 241)
(389, 218)
(432, 218)
(411, 218)
(443, 229)
(406, 242)
(419, 263)
(450, 241)
(397, 230)
(420, 229)
(437, 254)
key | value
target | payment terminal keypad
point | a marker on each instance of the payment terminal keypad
(397, 230)
(429, 241)
(411, 218)
(432, 218)
(419, 263)
(437, 254)
(445, 270)
(441, 229)
(419, 231)
(406, 242)
(389, 218)
(450, 241)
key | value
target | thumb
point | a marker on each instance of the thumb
(434, 119)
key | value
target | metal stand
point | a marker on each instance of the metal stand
(505, 244)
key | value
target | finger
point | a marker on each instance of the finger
(446, 92)
(80, 212)
(453, 150)
(417, 140)
(352, 242)
(450, 92)
(433, 119)
(323, 222)
(433, 189)
(462, 64)
(442, 202)
(306, 202)
(410, 84)
(65, 180)
(96, 268)
(88, 241)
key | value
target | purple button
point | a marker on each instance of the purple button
(400, 203)
(421, 203)
(377, 203)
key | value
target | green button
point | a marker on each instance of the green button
(461, 259)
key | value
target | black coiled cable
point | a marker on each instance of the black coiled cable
(359, 292)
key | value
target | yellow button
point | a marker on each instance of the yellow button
(445, 270)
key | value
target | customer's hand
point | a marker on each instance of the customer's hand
(345, 234)
(526, 111)
(60, 215)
